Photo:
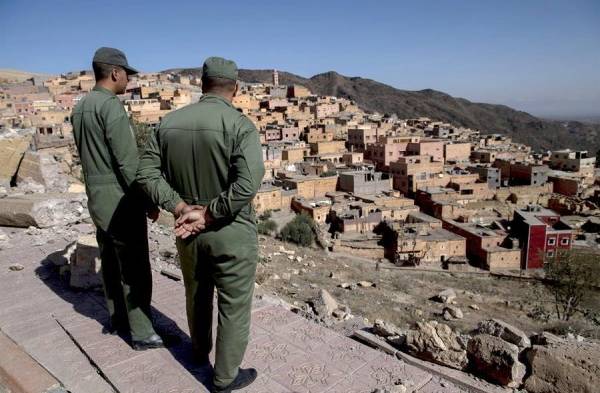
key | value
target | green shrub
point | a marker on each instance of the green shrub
(141, 131)
(300, 231)
(265, 216)
(266, 227)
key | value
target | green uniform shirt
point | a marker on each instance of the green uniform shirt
(206, 153)
(107, 150)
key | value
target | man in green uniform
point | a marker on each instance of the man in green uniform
(208, 155)
(109, 159)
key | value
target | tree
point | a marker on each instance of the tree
(572, 276)
(301, 230)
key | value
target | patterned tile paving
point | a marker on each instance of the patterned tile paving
(291, 354)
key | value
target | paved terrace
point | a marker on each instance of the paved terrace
(62, 330)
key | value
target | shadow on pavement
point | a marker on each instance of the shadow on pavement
(91, 304)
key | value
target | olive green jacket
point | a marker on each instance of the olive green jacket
(206, 153)
(108, 153)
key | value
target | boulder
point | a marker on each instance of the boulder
(44, 169)
(11, 153)
(447, 296)
(365, 284)
(436, 342)
(85, 263)
(385, 329)
(496, 360)
(43, 210)
(545, 338)
(454, 312)
(509, 333)
(563, 367)
(324, 304)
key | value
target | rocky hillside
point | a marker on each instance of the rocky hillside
(374, 96)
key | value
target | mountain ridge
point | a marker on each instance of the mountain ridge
(374, 96)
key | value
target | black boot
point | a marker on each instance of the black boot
(244, 378)
(154, 341)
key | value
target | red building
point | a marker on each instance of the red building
(540, 234)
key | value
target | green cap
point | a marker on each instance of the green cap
(115, 57)
(220, 68)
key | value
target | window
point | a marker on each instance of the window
(550, 253)
(565, 241)
(551, 241)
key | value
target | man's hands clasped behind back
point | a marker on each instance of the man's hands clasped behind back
(191, 220)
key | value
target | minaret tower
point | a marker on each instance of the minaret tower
(275, 78)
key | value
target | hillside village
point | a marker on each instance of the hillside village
(414, 191)
(408, 195)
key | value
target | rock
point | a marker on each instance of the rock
(15, 267)
(85, 263)
(288, 252)
(474, 306)
(545, 338)
(446, 296)
(298, 259)
(290, 257)
(454, 312)
(338, 313)
(344, 285)
(11, 153)
(42, 168)
(509, 333)
(385, 329)
(563, 367)
(365, 284)
(63, 257)
(397, 341)
(324, 304)
(446, 315)
(172, 273)
(76, 188)
(436, 342)
(496, 360)
(286, 276)
(43, 210)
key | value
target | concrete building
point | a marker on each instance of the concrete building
(487, 248)
(364, 182)
(487, 174)
(540, 235)
(413, 172)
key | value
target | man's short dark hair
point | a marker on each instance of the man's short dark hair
(102, 70)
(218, 85)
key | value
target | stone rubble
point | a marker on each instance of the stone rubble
(495, 359)
(447, 296)
(436, 342)
(509, 333)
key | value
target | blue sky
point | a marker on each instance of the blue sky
(542, 56)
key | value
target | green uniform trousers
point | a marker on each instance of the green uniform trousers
(126, 275)
(223, 257)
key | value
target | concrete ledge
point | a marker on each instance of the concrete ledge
(20, 373)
